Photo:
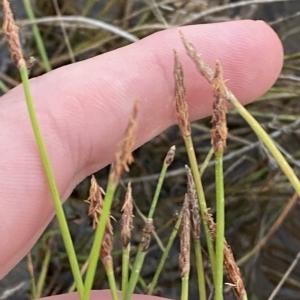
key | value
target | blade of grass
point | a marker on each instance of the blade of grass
(51, 182)
(218, 139)
(184, 125)
(123, 159)
(45, 267)
(12, 36)
(165, 255)
(143, 247)
(37, 36)
(220, 226)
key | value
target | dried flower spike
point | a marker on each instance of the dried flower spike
(96, 202)
(126, 221)
(233, 272)
(185, 237)
(147, 233)
(11, 32)
(193, 205)
(124, 154)
(201, 65)
(170, 155)
(180, 98)
(219, 125)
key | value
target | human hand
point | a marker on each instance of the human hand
(83, 110)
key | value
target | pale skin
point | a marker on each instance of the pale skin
(83, 110)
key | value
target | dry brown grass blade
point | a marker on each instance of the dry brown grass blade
(185, 239)
(124, 154)
(219, 125)
(11, 31)
(127, 216)
(180, 98)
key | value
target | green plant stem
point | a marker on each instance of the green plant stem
(165, 255)
(139, 260)
(265, 138)
(94, 255)
(3, 87)
(201, 198)
(220, 211)
(51, 181)
(135, 273)
(158, 190)
(37, 36)
(200, 269)
(125, 268)
(206, 161)
(32, 277)
(185, 287)
(44, 270)
(111, 281)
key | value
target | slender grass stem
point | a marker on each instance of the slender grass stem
(206, 161)
(51, 181)
(32, 276)
(265, 138)
(143, 247)
(165, 255)
(94, 255)
(44, 270)
(125, 268)
(200, 269)
(220, 211)
(185, 287)
(135, 273)
(3, 87)
(37, 36)
(111, 281)
(201, 198)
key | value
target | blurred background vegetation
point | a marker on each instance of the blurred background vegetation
(256, 190)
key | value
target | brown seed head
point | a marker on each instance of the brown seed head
(170, 155)
(11, 32)
(124, 154)
(126, 221)
(210, 224)
(233, 272)
(193, 205)
(95, 200)
(201, 65)
(219, 124)
(180, 98)
(147, 233)
(185, 236)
